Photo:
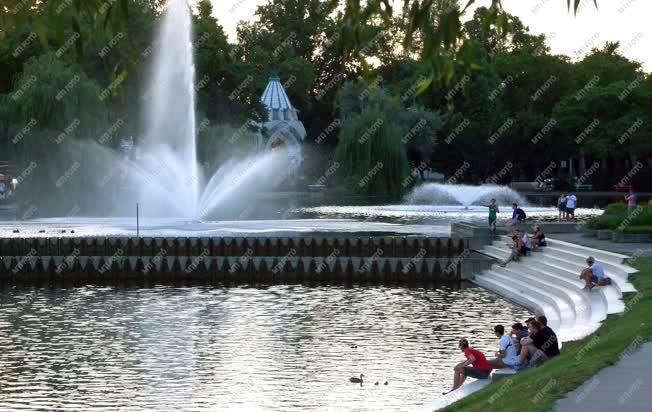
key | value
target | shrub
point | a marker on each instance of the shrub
(605, 222)
(642, 217)
(637, 229)
(616, 209)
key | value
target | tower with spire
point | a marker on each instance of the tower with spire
(282, 127)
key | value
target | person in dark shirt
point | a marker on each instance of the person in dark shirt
(518, 332)
(552, 349)
(518, 215)
(532, 347)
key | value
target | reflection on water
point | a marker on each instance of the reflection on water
(279, 348)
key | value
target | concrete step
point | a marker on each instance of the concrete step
(519, 297)
(563, 311)
(618, 281)
(610, 267)
(593, 305)
(601, 255)
(494, 252)
(612, 293)
(569, 299)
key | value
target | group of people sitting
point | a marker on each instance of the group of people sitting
(524, 347)
(523, 242)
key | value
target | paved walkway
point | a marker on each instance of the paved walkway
(639, 249)
(626, 386)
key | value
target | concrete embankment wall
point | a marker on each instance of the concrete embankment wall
(263, 260)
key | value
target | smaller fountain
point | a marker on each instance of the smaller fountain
(466, 195)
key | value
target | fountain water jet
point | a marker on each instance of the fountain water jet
(166, 178)
(466, 195)
(169, 146)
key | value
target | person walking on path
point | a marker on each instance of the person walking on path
(631, 200)
(561, 205)
(493, 215)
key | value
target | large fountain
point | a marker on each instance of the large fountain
(165, 178)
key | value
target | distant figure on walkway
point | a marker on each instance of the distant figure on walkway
(593, 275)
(538, 237)
(561, 205)
(517, 247)
(493, 215)
(571, 202)
(631, 199)
(506, 355)
(479, 369)
(518, 215)
(533, 347)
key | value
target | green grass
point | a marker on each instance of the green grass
(538, 389)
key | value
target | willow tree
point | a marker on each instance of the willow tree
(370, 154)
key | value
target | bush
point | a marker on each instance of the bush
(642, 217)
(637, 229)
(605, 222)
(616, 209)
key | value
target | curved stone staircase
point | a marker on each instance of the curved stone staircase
(547, 282)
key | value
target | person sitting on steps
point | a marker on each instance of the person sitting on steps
(538, 237)
(533, 347)
(527, 242)
(506, 355)
(517, 248)
(552, 349)
(479, 369)
(519, 332)
(594, 274)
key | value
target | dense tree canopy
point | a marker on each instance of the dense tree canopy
(485, 90)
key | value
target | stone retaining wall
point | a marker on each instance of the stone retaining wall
(110, 261)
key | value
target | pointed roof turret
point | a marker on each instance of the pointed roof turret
(277, 101)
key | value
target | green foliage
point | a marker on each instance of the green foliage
(637, 229)
(610, 222)
(616, 217)
(615, 209)
(374, 138)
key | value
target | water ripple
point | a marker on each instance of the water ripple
(279, 348)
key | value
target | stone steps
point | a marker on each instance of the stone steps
(547, 282)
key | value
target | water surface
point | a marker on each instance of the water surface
(285, 347)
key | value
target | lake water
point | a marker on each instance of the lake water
(289, 348)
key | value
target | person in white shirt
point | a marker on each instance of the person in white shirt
(527, 241)
(571, 202)
(507, 354)
(594, 274)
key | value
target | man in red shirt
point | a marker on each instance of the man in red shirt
(479, 369)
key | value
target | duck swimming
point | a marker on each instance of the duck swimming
(356, 380)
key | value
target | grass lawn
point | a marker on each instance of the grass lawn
(537, 389)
